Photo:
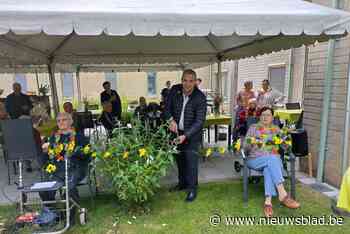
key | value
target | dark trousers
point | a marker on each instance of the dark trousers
(75, 175)
(187, 164)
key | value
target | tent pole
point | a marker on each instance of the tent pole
(51, 70)
(37, 80)
(78, 83)
(218, 79)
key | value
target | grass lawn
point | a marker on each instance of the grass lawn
(170, 214)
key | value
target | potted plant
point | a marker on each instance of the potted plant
(43, 90)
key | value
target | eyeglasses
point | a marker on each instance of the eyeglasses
(266, 115)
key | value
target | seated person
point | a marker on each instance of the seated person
(252, 116)
(107, 118)
(343, 205)
(141, 109)
(68, 108)
(153, 114)
(71, 142)
(263, 155)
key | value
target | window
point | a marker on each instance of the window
(277, 77)
(67, 85)
(151, 83)
(21, 79)
(112, 78)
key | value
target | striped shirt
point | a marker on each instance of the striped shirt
(269, 98)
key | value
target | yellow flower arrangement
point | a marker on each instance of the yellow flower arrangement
(142, 152)
(277, 140)
(125, 155)
(86, 149)
(71, 147)
(94, 155)
(59, 149)
(208, 152)
(237, 145)
(51, 168)
(51, 152)
(222, 150)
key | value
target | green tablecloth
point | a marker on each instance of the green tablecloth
(289, 115)
(218, 120)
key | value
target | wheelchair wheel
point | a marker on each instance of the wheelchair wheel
(237, 166)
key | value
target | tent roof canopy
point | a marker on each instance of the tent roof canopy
(157, 31)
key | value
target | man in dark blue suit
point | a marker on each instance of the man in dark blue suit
(186, 110)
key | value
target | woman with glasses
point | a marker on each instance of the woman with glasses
(262, 143)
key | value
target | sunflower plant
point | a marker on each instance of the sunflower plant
(134, 160)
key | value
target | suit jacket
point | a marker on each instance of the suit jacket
(194, 115)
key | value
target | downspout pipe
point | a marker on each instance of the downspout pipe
(347, 125)
(326, 105)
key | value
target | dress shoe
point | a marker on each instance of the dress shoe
(177, 188)
(290, 202)
(191, 196)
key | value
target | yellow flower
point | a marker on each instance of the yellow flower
(86, 149)
(289, 142)
(253, 140)
(50, 168)
(107, 155)
(59, 149)
(208, 152)
(51, 152)
(238, 145)
(222, 150)
(277, 140)
(264, 136)
(71, 146)
(125, 155)
(93, 155)
(142, 152)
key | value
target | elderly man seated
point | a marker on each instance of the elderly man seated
(66, 142)
(107, 118)
(262, 143)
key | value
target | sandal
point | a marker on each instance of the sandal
(268, 210)
(290, 202)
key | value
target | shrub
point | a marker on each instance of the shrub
(134, 160)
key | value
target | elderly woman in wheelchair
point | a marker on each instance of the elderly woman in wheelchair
(66, 142)
(262, 143)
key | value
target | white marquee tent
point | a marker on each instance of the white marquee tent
(45, 32)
